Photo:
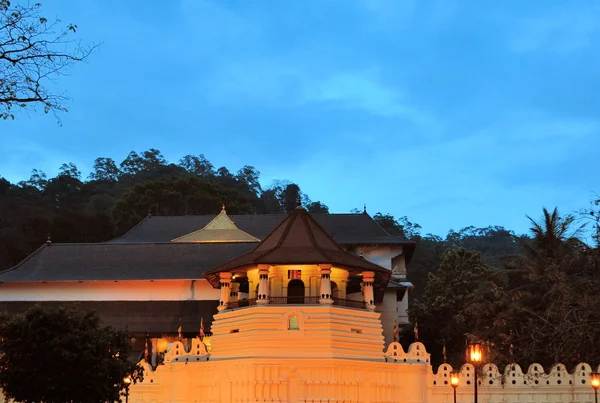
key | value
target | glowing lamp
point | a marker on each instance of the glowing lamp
(454, 379)
(595, 380)
(475, 353)
(127, 380)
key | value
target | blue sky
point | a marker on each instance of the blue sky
(453, 113)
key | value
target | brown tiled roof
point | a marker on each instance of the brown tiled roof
(299, 239)
(152, 318)
(89, 262)
(346, 229)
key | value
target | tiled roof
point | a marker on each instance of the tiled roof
(346, 229)
(298, 239)
(89, 262)
(152, 318)
(220, 229)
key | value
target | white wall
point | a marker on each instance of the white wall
(157, 290)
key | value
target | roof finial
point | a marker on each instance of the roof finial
(48, 241)
(298, 202)
(365, 208)
(223, 208)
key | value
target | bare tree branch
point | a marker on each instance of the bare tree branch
(34, 51)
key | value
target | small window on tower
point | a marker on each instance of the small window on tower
(294, 274)
(293, 323)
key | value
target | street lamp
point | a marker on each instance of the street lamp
(454, 382)
(595, 381)
(127, 382)
(475, 357)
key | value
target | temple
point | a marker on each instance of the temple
(168, 277)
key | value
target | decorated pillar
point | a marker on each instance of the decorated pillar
(225, 281)
(234, 295)
(263, 284)
(369, 294)
(325, 296)
(154, 353)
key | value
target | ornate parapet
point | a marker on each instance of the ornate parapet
(416, 354)
(515, 385)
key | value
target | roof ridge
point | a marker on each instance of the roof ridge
(133, 228)
(22, 262)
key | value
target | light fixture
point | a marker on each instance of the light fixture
(475, 354)
(595, 381)
(454, 379)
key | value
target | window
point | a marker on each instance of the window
(293, 323)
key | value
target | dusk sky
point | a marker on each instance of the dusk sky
(453, 113)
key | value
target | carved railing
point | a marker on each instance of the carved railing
(294, 300)
(347, 303)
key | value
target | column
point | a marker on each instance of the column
(234, 295)
(369, 295)
(263, 284)
(154, 354)
(325, 296)
(225, 281)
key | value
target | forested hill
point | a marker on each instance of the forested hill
(116, 196)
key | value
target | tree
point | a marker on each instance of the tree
(443, 313)
(177, 196)
(198, 165)
(105, 169)
(401, 227)
(317, 207)
(69, 170)
(149, 160)
(33, 52)
(249, 176)
(543, 306)
(60, 355)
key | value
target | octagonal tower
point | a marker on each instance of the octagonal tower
(298, 294)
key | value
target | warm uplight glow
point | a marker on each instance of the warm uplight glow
(475, 353)
(454, 379)
(595, 380)
(127, 380)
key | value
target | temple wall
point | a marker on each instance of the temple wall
(399, 377)
(144, 290)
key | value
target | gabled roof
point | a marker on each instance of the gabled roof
(346, 229)
(96, 262)
(299, 239)
(220, 229)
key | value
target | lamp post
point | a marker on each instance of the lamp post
(127, 382)
(595, 381)
(475, 357)
(454, 382)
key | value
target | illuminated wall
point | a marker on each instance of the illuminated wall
(396, 377)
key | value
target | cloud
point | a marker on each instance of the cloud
(559, 30)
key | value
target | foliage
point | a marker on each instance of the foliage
(401, 227)
(543, 305)
(443, 314)
(60, 355)
(33, 52)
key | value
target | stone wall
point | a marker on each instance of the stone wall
(194, 376)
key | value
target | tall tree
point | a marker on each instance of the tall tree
(105, 169)
(198, 165)
(60, 355)
(33, 52)
(443, 314)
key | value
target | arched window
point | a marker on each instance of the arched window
(295, 292)
(335, 291)
(293, 323)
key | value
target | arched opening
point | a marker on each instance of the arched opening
(295, 292)
(336, 293)
(293, 323)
